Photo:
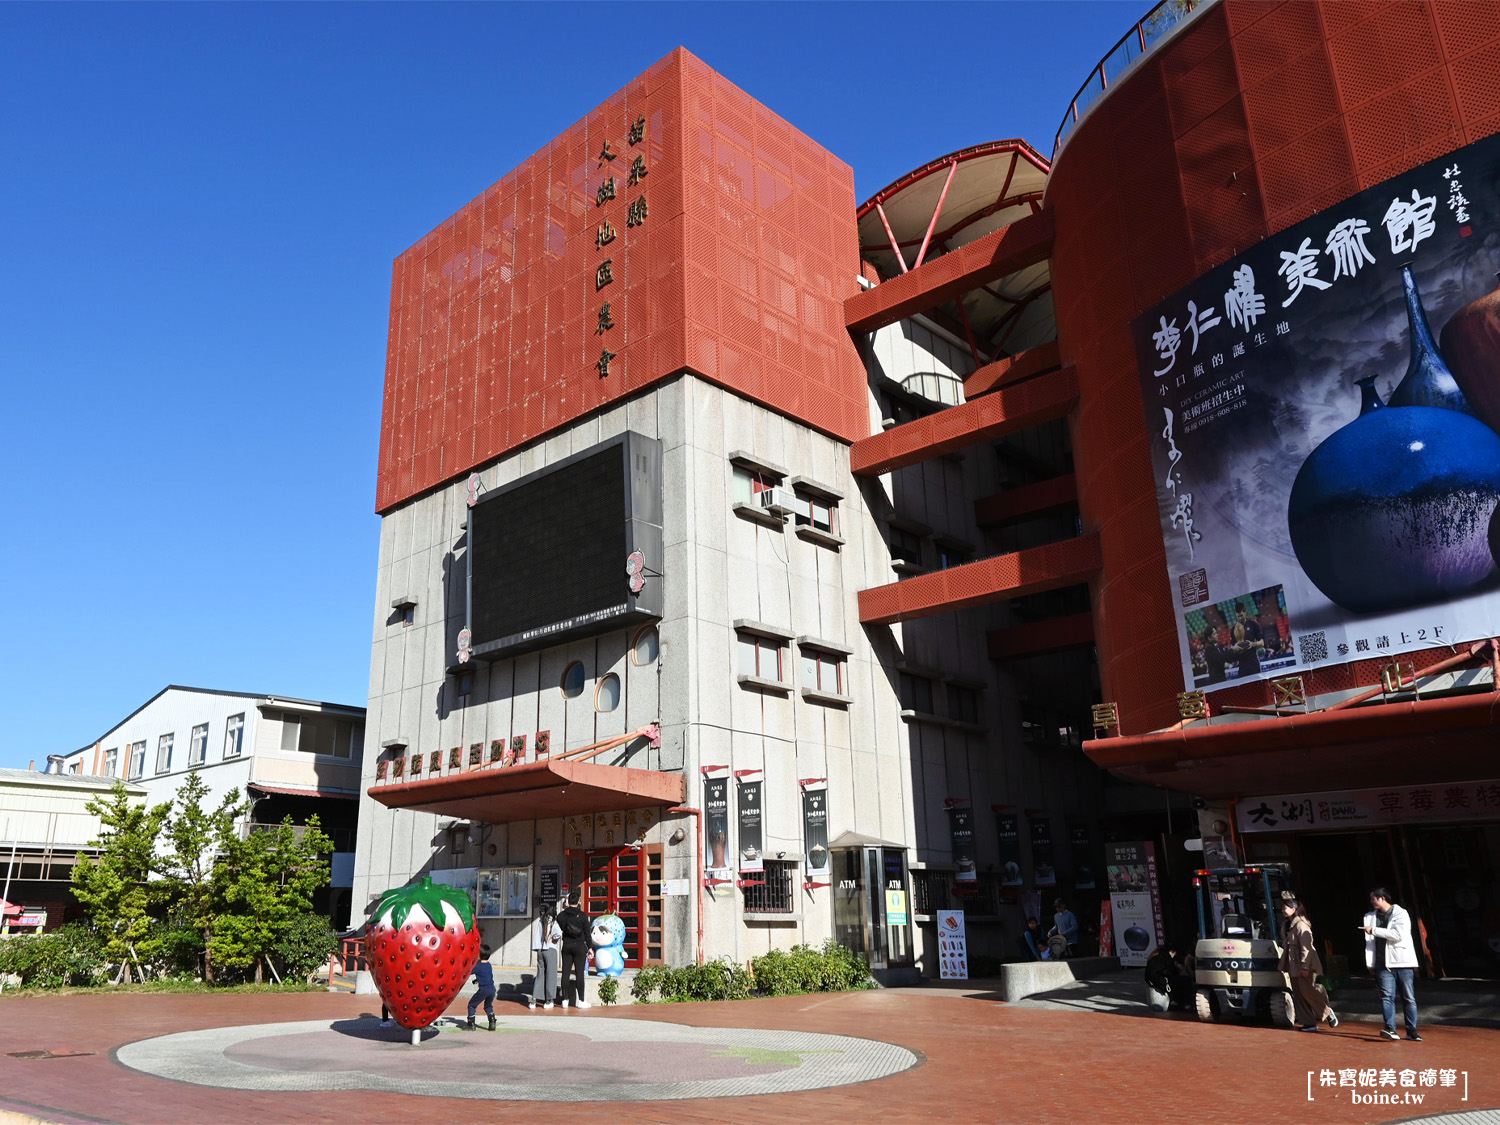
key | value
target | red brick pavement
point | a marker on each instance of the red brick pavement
(984, 1061)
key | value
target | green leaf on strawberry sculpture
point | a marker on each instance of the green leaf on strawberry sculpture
(430, 897)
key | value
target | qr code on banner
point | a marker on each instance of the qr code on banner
(1312, 647)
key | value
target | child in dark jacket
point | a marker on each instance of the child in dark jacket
(484, 975)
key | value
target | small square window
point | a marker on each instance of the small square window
(906, 546)
(465, 683)
(760, 656)
(198, 747)
(408, 615)
(916, 693)
(953, 554)
(823, 671)
(747, 482)
(963, 704)
(775, 894)
(234, 731)
(817, 512)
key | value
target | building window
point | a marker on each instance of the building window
(645, 647)
(234, 732)
(111, 757)
(323, 735)
(76, 767)
(963, 704)
(775, 894)
(572, 680)
(760, 656)
(164, 753)
(930, 891)
(198, 747)
(906, 546)
(817, 512)
(135, 756)
(408, 615)
(953, 554)
(458, 839)
(465, 683)
(823, 671)
(607, 694)
(916, 693)
(747, 482)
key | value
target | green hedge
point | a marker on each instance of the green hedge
(806, 969)
(72, 955)
(777, 973)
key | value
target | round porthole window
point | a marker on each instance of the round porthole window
(572, 680)
(645, 648)
(607, 697)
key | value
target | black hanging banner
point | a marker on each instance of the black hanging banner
(1041, 848)
(1083, 854)
(716, 812)
(961, 828)
(1008, 833)
(815, 830)
(751, 859)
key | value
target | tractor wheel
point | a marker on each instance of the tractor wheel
(1208, 1011)
(1283, 1014)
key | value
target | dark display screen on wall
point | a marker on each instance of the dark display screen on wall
(548, 554)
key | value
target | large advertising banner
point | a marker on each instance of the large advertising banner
(1045, 874)
(815, 829)
(1134, 902)
(1323, 411)
(716, 813)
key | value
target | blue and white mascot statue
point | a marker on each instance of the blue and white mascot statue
(608, 936)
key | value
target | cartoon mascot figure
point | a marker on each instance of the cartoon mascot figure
(608, 936)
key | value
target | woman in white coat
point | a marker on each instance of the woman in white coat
(545, 935)
(1391, 954)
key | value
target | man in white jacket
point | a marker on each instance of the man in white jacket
(1391, 954)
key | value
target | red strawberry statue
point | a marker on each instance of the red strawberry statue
(422, 945)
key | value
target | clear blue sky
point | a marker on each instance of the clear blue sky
(200, 207)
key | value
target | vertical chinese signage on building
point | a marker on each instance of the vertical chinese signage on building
(961, 831)
(815, 829)
(1323, 419)
(953, 945)
(751, 842)
(716, 817)
(1135, 901)
(1008, 839)
(1044, 872)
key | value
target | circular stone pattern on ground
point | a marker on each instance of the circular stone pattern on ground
(527, 1058)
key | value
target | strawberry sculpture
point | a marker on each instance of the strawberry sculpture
(421, 947)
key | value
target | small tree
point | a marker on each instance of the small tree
(265, 884)
(195, 839)
(114, 886)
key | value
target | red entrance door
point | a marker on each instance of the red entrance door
(626, 882)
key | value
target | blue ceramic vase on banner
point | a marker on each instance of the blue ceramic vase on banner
(1394, 509)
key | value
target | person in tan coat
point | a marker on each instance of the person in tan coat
(1301, 963)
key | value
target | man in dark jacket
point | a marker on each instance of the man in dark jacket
(574, 924)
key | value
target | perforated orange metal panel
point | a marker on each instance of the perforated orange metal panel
(737, 268)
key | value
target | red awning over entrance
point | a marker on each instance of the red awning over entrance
(1407, 743)
(535, 791)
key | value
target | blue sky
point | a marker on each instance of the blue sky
(201, 204)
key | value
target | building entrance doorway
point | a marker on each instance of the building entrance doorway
(626, 882)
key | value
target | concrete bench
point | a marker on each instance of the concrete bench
(1020, 979)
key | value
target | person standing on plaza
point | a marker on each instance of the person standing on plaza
(1065, 925)
(484, 977)
(574, 924)
(545, 934)
(1391, 954)
(1302, 965)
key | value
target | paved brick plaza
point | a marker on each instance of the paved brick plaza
(977, 1060)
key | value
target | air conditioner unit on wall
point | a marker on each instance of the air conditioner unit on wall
(779, 501)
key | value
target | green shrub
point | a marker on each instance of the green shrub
(70, 955)
(647, 980)
(308, 943)
(806, 969)
(716, 980)
(609, 990)
(173, 951)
